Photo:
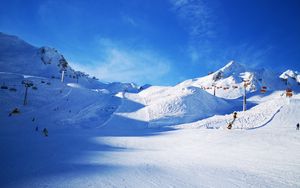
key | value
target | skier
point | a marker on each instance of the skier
(297, 126)
(234, 115)
(231, 123)
(45, 131)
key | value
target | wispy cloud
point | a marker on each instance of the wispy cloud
(199, 21)
(206, 45)
(197, 15)
(125, 64)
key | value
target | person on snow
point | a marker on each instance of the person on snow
(45, 131)
(234, 115)
(231, 123)
(297, 126)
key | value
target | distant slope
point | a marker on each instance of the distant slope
(228, 81)
(17, 56)
(80, 101)
(53, 104)
(290, 77)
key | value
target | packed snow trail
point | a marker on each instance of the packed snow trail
(287, 117)
(258, 116)
(264, 124)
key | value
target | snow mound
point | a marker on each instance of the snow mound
(174, 105)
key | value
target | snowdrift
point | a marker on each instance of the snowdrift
(174, 105)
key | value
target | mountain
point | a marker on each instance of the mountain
(290, 78)
(19, 57)
(79, 101)
(228, 82)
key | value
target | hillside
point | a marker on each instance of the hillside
(19, 57)
(229, 81)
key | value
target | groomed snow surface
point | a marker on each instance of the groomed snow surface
(160, 137)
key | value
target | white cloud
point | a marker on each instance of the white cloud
(126, 65)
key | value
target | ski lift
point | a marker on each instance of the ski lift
(263, 89)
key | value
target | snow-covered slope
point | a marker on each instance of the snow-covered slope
(200, 157)
(173, 105)
(17, 56)
(79, 101)
(228, 81)
(61, 105)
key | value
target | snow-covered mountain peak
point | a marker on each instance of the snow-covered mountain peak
(19, 57)
(291, 77)
(289, 73)
(231, 69)
(232, 66)
(228, 81)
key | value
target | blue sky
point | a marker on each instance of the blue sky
(156, 41)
